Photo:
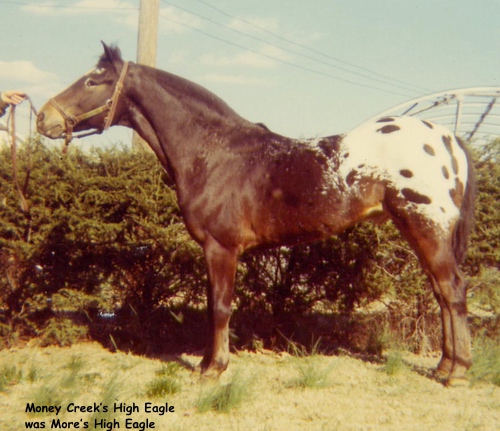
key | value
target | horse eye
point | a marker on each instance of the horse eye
(90, 83)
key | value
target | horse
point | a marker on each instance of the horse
(240, 186)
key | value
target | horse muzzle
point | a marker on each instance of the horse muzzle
(50, 123)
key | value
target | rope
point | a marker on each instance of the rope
(11, 126)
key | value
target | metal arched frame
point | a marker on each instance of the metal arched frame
(472, 113)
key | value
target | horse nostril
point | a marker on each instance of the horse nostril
(40, 118)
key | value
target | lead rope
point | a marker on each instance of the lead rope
(21, 191)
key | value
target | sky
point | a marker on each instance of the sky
(305, 69)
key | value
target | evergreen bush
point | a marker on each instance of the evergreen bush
(101, 251)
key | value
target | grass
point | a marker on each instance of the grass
(486, 365)
(166, 381)
(309, 367)
(48, 394)
(394, 364)
(9, 375)
(74, 366)
(222, 398)
(255, 393)
(312, 373)
(109, 394)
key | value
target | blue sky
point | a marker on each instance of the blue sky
(305, 69)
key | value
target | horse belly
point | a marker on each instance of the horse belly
(301, 218)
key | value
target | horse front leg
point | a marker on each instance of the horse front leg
(221, 263)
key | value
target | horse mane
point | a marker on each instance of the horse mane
(113, 54)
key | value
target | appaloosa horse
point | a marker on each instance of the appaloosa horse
(239, 185)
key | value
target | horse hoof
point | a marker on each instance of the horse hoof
(457, 382)
(441, 376)
(211, 374)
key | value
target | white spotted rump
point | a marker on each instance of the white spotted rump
(422, 161)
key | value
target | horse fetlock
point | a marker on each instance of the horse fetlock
(214, 369)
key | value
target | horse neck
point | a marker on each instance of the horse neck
(177, 117)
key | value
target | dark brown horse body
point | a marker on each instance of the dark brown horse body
(240, 185)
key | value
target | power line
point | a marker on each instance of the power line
(288, 63)
(405, 87)
(309, 48)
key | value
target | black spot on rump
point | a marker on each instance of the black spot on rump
(389, 128)
(457, 193)
(447, 144)
(385, 120)
(351, 177)
(454, 165)
(429, 125)
(429, 150)
(406, 173)
(446, 174)
(416, 197)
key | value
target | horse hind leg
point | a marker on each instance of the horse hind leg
(450, 291)
(434, 247)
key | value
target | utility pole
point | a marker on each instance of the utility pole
(147, 43)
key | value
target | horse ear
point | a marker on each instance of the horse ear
(107, 52)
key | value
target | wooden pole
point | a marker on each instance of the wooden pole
(147, 43)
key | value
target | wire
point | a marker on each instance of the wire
(309, 48)
(405, 87)
(288, 63)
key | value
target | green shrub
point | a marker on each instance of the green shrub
(103, 234)
(62, 332)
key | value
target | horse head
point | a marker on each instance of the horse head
(89, 103)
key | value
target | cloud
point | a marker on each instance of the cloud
(79, 7)
(266, 58)
(23, 72)
(25, 76)
(122, 12)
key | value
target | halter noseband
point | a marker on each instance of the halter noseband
(70, 121)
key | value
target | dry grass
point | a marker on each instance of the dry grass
(357, 395)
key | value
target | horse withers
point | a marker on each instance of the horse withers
(239, 185)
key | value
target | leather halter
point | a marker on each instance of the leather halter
(70, 121)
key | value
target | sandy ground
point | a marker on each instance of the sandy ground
(356, 395)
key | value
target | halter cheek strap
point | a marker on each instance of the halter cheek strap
(116, 95)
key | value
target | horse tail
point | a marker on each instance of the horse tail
(466, 220)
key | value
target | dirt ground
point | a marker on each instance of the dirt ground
(353, 395)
